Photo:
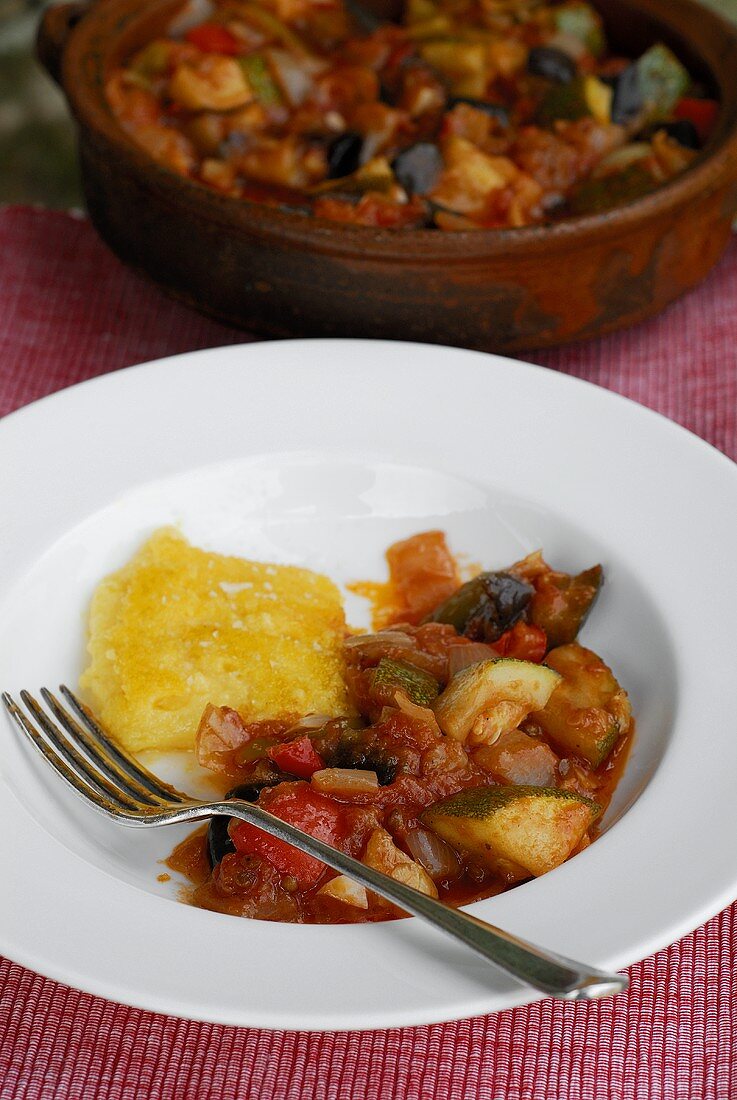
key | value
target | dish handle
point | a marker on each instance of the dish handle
(57, 23)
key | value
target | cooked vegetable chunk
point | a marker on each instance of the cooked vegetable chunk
(584, 97)
(561, 603)
(581, 21)
(535, 827)
(588, 711)
(392, 676)
(485, 700)
(486, 606)
(663, 79)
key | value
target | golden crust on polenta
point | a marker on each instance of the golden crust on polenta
(177, 628)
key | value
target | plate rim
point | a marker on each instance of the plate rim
(24, 417)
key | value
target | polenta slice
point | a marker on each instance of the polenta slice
(177, 628)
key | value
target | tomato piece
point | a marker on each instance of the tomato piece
(300, 805)
(297, 757)
(423, 572)
(212, 38)
(701, 112)
(524, 642)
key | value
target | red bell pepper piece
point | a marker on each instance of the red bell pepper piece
(524, 642)
(213, 38)
(297, 757)
(701, 112)
(310, 811)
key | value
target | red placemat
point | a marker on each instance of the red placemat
(69, 310)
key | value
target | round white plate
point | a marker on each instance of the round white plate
(323, 453)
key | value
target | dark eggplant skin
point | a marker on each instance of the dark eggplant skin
(627, 98)
(494, 110)
(418, 167)
(485, 607)
(344, 155)
(683, 131)
(219, 843)
(551, 63)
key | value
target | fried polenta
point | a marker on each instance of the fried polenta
(177, 628)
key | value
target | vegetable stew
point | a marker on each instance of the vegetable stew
(471, 114)
(484, 743)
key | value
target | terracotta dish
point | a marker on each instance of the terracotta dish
(283, 274)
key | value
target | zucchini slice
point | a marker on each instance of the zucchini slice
(535, 827)
(489, 698)
(588, 711)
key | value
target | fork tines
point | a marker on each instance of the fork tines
(74, 744)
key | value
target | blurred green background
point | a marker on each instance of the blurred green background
(37, 155)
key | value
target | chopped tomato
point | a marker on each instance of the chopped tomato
(524, 642)
(701, 112)
(297, 757)
(299, 805)
(213, 38)
(423, 571)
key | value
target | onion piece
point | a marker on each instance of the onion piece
(344, 889)
(412, 710)
(461, 656)
(396, 638)
(438, 858)
(190, 15)
(295, 74)
(345, 781)
(310, 722)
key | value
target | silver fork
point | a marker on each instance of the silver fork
(73, 743)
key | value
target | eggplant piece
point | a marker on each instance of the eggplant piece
(683, 131)
(485, 607)
(562, 605)
(627, 97)
(361, 749)
(219, 843)
(344, 155)
(551, 63)
(584, 97)
(417, 168)
(495, 110)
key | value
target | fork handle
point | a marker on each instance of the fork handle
(548, 972)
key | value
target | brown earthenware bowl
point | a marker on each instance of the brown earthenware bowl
(284, 274)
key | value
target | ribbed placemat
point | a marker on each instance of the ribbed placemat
(69, 310)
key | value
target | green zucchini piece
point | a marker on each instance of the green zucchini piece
(562, 604)
(584, 97)
(663, 79)
(595, 195)
(535, 827)
(581, 21)
(491, 697)
(588, 711)
(258, 74)
(390, 676)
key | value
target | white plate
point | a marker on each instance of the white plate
(322, 453)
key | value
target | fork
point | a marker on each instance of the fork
(102, 774)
